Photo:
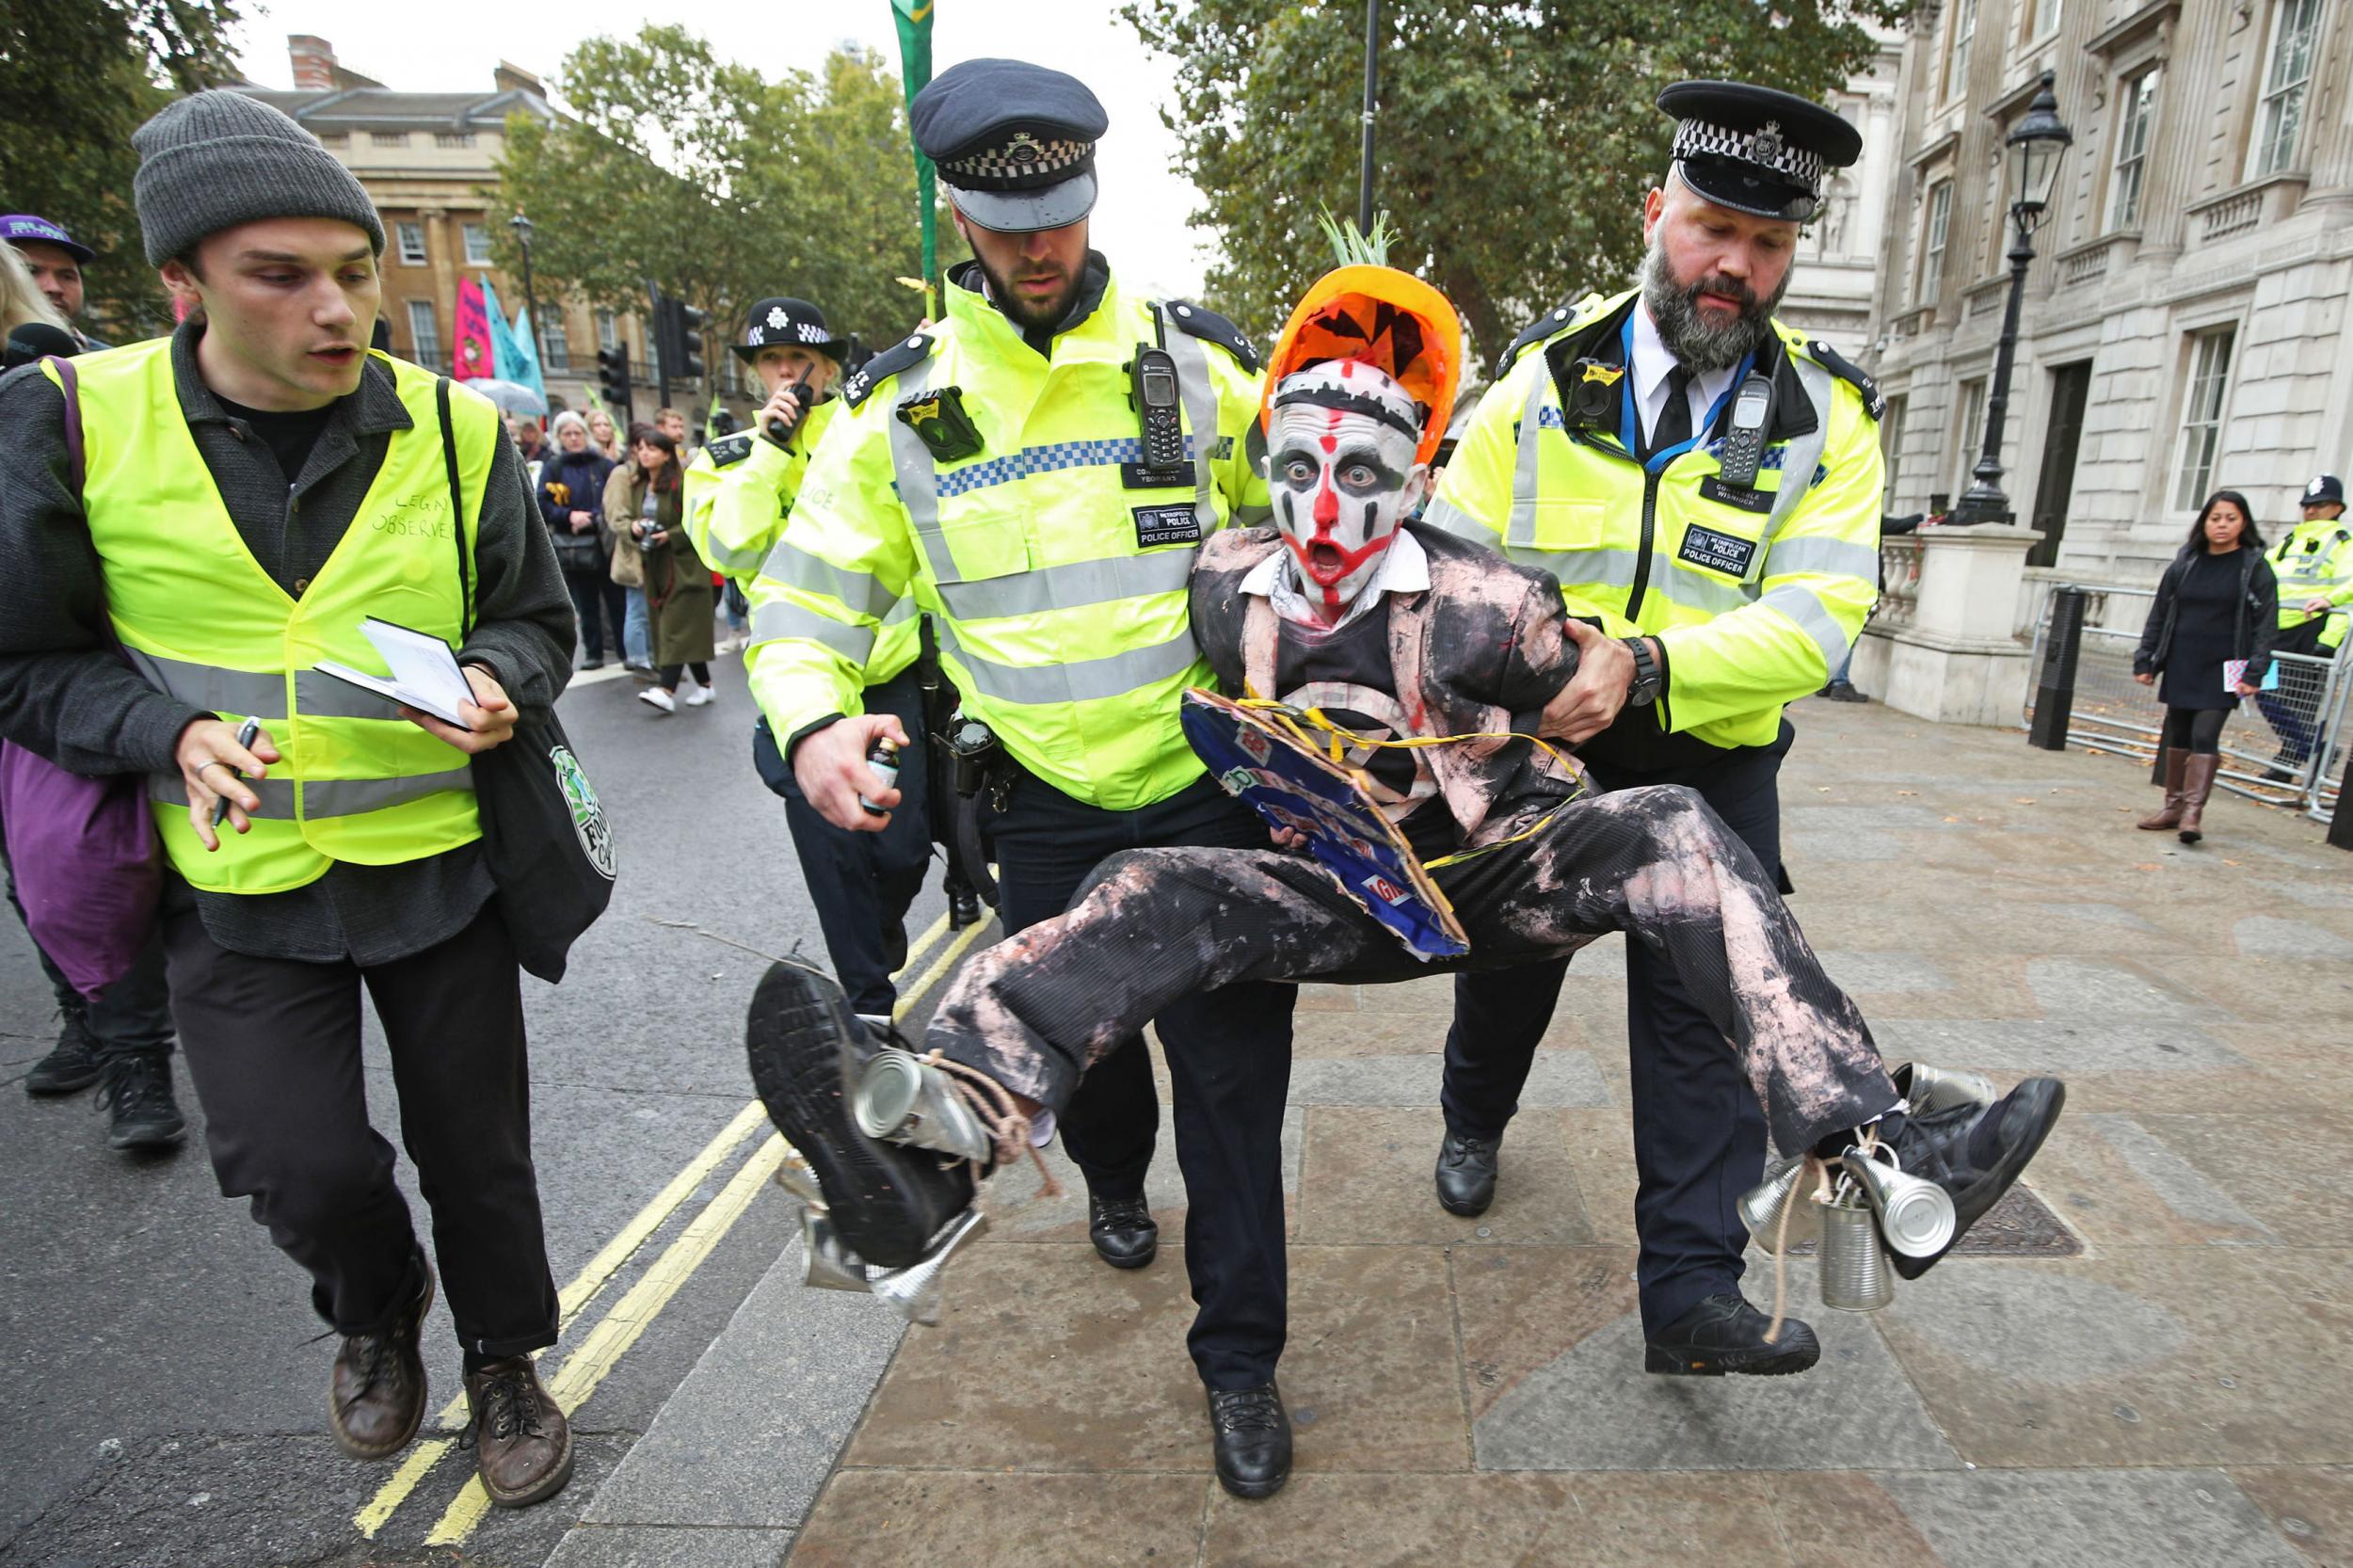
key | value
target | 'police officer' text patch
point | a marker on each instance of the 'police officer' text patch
(1714, 552)
(1166, 525)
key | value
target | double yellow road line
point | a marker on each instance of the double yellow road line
(621, 1327)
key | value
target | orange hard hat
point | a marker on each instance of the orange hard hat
(1384, 318)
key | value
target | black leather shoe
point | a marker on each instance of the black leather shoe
(71, 1064)
(888, 1200)
(137, 1098)
(1123, 1230)
(1252, 1433)
(1466, 1173)
(1975, 1152)
(964, 907)
(1725, 1335)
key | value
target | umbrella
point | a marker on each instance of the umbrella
(513, 396)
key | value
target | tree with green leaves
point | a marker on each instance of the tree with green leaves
(1515, 138)
(719, 184)
(76, 78)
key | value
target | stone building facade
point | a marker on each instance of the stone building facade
(2185, 323)
(1833, 286)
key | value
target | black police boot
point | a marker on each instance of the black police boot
(806, 1048)
(137, 1096)
(894, 952)
(1253, 1434)
(1975, 1152)
(1466, 1173)
(1725, 1335)
(1123, 1230)
(963, 906)
(71, 1064)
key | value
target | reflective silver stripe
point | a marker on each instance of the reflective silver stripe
(1696, 590)
(859, 592)
(902, 613)
(1799, 460)
(327, 798)
(256, 694)
(1804, 606)
(1580, 568)
(1522, 530)
(735, 561)
(277, 794)
(1078, 680)
(919, 480)
(1069, 587)
(1831, 557)
(1200, 394)
(1453, 519)
(780, 619)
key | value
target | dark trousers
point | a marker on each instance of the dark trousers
(1699, 1135)
(1228, 1062)
(273, 1047)
(672, 674)
(862, 883)
(593, 591)
(2293, 707)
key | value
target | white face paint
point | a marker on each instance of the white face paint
(1342, 477)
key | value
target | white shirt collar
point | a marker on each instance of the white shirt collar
(1653, 358)
(1403, 568)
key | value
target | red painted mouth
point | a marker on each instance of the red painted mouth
(1325, 563)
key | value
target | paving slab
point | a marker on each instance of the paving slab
(1361, 1187)
(670, 1547)
(2078, 1519)
(932, 1519)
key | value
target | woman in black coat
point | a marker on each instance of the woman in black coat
(572, 499)
(2216, 604)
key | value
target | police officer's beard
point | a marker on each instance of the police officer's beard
(1700, 343)
(1030, 315)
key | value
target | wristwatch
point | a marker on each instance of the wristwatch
(1643, 688)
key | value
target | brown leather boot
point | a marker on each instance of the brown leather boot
(522, 1443)
(2169, 814)
(376, 1394)
(2196, 784)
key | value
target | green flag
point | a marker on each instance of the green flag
(914, 17)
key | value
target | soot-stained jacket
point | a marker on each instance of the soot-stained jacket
(1479, 652)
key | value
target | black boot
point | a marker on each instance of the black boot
(72, 1063)
(1975, 1152)
(1123, 1230)
(1466, 1173)
(1253, 1434)
(1724, 1333)
(964, 905)
(806, 1047)
(137, 1096)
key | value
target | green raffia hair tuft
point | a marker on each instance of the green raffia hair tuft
(1354, 247)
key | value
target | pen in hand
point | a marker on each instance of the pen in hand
(247, 733)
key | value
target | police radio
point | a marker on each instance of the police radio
(1158, 415)
(1742, 450)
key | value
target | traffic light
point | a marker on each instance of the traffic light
(612, 378)
(679, 340)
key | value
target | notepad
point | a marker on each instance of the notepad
(424, 672)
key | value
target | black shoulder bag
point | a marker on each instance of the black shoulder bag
(546, 837)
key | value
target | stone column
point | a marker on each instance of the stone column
(1957, 658)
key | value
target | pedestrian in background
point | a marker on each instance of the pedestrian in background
(2210, 633)
(571, 498)
(2314, 562)
(603, 437)
(21, 302)
(55, 260)
(629, 562)
(645, 502)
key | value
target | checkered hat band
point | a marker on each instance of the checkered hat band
(1767, 148)
(1020, 164)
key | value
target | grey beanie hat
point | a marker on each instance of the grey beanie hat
(217, 159)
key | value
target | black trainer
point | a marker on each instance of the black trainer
(1253, 1434)
(137, 1096)
(1725, 1335)
(1466, 1173)
(1123, 1230)
(805, 1045)
(72, 1064)
(1975, 1152)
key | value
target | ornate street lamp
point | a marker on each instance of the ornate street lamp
(521, 226)
(2031, 157)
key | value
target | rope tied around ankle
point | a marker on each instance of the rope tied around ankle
(1008, 1124)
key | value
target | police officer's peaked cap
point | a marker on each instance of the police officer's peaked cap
(794, 323)
(2323, 490)
(1015, 142)
(1756, 150)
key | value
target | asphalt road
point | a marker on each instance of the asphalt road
(160, 1374)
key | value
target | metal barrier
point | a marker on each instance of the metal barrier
(2109, 710)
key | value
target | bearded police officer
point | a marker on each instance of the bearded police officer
(860, 883)
(1705, 483)
(2315, 565)
(1038, 472)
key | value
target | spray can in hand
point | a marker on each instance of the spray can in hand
(882, 758)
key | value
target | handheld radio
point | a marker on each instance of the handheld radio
(1159, 420)
(1742, 450)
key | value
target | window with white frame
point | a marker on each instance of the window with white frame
(2201, 416)
(2135, 114)
(555, 345)
(1891, 442)
(2041, 19)
(477, 245)
(2287, 77)
(412, 243)
(388, 138)
(608, 330)
(1933, 240)
(424, 334)
(1957, 57)
(1969, 434)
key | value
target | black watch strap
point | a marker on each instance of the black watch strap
(1643, 688)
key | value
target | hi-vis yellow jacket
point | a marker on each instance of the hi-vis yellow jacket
(2315, 561)
(1756, 593)
(737, 532)
(203, 621)
(1053, 559)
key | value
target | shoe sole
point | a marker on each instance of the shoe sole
(1989, 1191)
(794, 1041)
(55, 1087)
(155, 1138)
(425, 1391)
(1140, 1261)
(1774, 1362)
(538, 1491)
(1252, 1491)
(1469, 1211)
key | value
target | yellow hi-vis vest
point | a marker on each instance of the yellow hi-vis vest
(204, 622)
(1053, 561)
(1756, 594)
(2315, 561)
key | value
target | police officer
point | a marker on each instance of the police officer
(2315, 565)
(1038, 472)
(1705, 483)
(860, 883)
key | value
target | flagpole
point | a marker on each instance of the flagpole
(913, 21)
(1372, 88)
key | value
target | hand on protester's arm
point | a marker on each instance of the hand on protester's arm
(1588, 704)
(209, 758)
(830, 767)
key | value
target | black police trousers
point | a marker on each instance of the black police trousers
(1698, 1136)
(1228, 1062)
(861, 884)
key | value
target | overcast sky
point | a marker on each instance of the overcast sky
(449, 47)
